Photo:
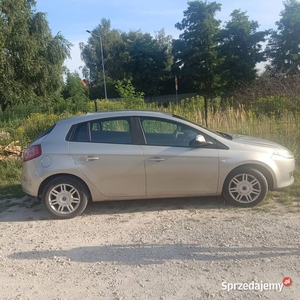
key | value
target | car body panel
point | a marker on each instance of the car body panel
(178, 171)
(115, 170)
(249, 140)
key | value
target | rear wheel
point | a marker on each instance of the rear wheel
(245, 187)
(65, 197)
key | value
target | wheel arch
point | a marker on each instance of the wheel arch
(262, 169)
(48, 179)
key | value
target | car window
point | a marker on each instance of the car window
(161, 132)
(81, 133)
(115, 125)
(158, 126)
(45, 132)
(115, 131)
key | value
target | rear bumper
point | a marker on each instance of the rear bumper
(30, 180)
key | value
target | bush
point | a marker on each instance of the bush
(131, 98)
(274, 106)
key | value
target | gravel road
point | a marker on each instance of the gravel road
(155, 249)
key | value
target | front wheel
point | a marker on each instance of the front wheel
(65, 197)
(245, 187)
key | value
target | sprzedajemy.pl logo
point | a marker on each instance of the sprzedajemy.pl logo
(256, 286)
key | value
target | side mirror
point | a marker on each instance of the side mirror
(200, 139)
(199, 142)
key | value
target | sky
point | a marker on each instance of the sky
(73, 17)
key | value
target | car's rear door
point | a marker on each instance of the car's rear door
(105, 151)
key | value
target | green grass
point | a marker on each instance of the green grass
(10, 178)
(287, 198)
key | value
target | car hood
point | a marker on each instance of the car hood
(249, 140)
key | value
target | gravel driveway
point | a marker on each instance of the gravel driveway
(154, 249)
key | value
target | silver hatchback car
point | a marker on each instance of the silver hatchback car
(121, 155)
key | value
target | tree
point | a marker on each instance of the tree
(284, 45)
(149, 61)
(195, 52)
(75, 94)
(240, 49)
(31, 59)
(135, 56)
(114, 54)
(165, 44)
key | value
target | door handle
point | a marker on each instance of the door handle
(155, 159)
(89, 158)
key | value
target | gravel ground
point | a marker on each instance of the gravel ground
(154, 249)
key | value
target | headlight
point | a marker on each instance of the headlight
(283, 152)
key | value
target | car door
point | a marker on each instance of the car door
(173, 168)
(105, 152)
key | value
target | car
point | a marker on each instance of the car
(131, 154)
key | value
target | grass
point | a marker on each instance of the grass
(287, 198)
(10, 177)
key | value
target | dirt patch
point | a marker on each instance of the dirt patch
(154, 249)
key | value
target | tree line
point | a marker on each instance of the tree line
(208, 58)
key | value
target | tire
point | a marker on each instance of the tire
(65, 197)
(245, 187)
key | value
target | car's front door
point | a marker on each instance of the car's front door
(172, 166)
(104, 151)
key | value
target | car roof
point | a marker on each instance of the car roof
(114, 113)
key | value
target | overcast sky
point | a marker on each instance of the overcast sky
(73, 17)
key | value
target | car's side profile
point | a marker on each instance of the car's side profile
(145, 154)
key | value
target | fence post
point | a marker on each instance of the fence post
(205, 110)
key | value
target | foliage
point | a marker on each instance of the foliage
(144, 59)
(105, 105)
(284, 90)
(149, 61)
(195, 52)
(31, 127)
(273, 106)
(75, 95)
(127, 92)
(31, 59)
(114, 54)
(283, 46)
(208, 59)
(240, 49)
(10, 175)
(27, 127)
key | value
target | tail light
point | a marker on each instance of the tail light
(32, 152)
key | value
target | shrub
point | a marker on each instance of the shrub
(273, 106)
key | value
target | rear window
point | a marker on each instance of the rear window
(112, 131)
(81, 133)
(46, 132)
